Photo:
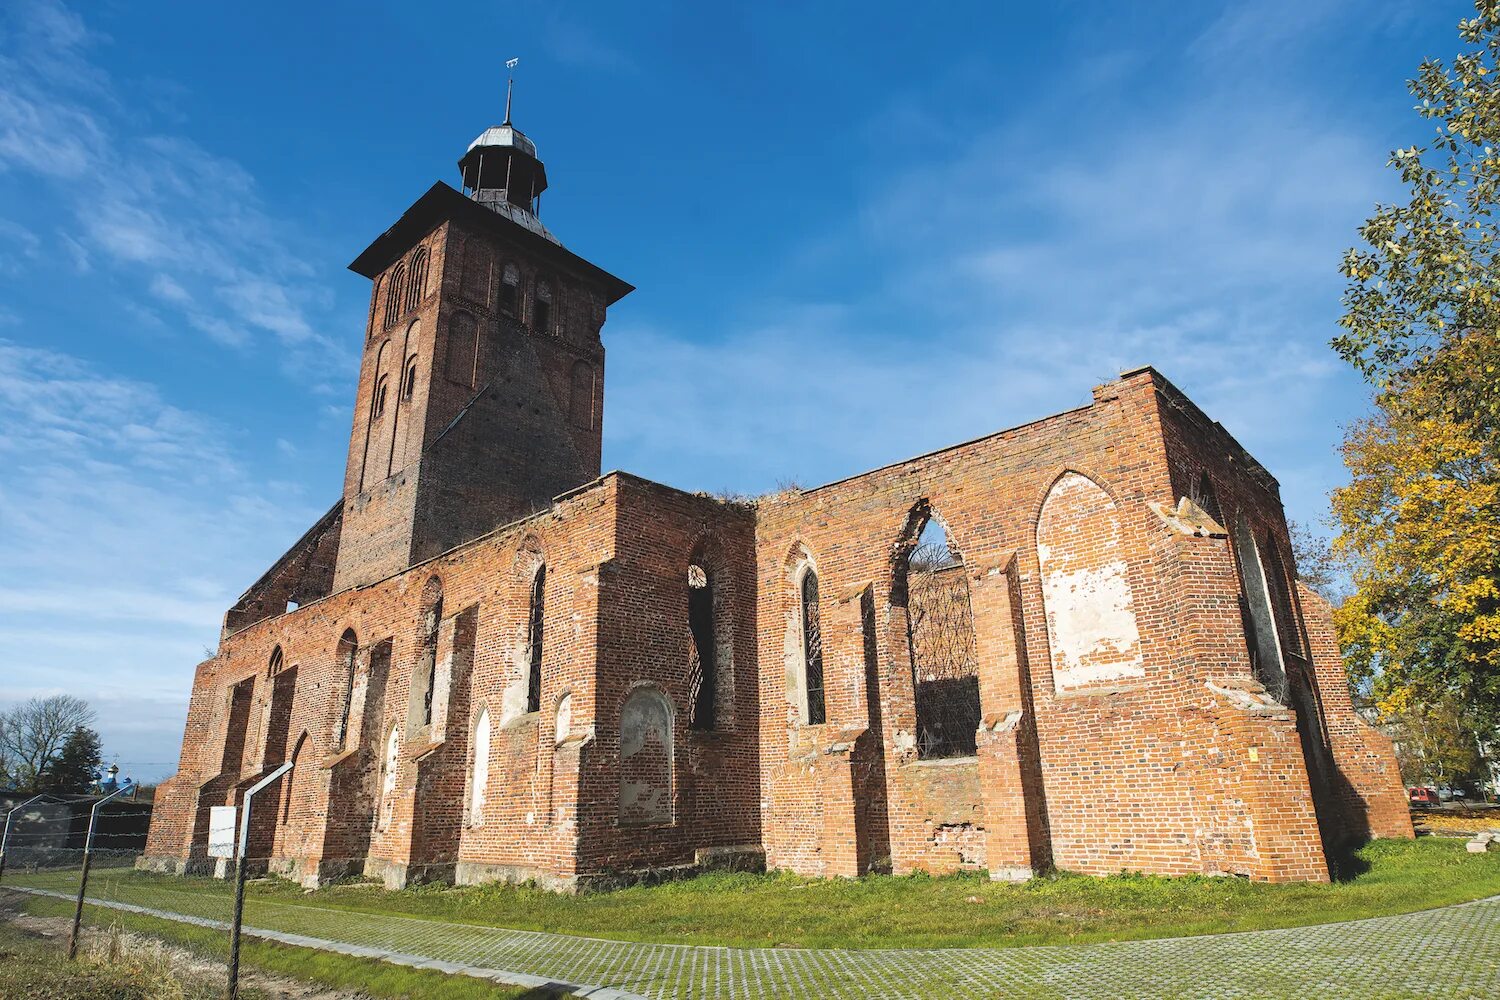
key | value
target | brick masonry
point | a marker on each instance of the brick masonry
(1153, 690)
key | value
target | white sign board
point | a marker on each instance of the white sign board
(221, 824)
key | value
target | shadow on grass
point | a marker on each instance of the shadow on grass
(1345, 863)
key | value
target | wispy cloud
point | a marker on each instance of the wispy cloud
(186, 221)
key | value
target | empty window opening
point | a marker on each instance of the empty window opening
(510, 290)
(273, 665)
(1261, 639)
(534, 640)
(703, 665)
(1207, 500)
(541, 314)
(479, 779)
(409, 380)
(940, 637)
(812, 651)
(348, 647)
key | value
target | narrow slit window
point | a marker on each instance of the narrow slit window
(541, 315)
(812, 650)
(702, 670)
(510, 290)
(409, 380)
(348, 646)
(534, 641)
(381, 385)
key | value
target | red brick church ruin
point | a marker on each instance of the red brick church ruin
(1075, 643)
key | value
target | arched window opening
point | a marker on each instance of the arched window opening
(1086, 593)
(562, 720)
(1279, 585)
(479, 778)
(541, 313)
(378, 403)
(510, 290)
(703, 666)
(395, 294)
(409, 380)
(432, 616)
(581, 396)
(646, 757)
(416, 281)
(348, 647)
(534, 640)
(931, 581)
(463, 348)
(1261, 639)
(273, 666)
(815, 709)
(390, 767)
(1206, 499)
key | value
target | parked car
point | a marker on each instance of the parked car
(1423, 797)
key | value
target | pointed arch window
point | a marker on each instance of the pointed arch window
(416, 280)
(812, 650)
(409, 380)
(534, 623)
(931, 583)
(348, 647)
(510, 290)
(702, 679)
(427, 661)
(377, 405)
(273, 666)
(395, 294)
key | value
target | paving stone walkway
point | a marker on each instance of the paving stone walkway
(1452, 952)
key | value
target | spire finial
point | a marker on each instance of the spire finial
(510, 85)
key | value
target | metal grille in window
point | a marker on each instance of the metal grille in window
(944, 665)
(812, 650)
(534, 642)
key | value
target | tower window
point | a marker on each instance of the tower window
(534, 641)
(409, 380)
(541, 313)
(416, 280)
(378, 405)
(812, 650)
(510, 290)
(395, 292)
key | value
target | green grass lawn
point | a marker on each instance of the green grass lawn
(1384, 877)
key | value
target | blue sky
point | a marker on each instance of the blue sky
(859, 232)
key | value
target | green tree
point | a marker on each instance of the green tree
(32, 733)
(1420, 519)
(76, 766)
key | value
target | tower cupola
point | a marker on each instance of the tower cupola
(501, 171)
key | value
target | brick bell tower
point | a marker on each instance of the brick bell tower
(481, 389)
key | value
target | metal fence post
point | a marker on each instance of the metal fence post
(83, 880)
(239, 880)
(5, 837)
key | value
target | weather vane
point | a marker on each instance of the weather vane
(510, 83)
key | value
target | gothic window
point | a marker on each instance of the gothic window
(930, 581)
(816, 711)
(1205, 497)
(1261, 639)
(1278, 585)
(409, 380)
(479, 777)
(416, 280)
(510, 290)
(541, 312)
(348, 646)
(581, 396)
(273, 667)
(382, 384)
(395, 294)
(703, 667)
(1086, 592)
(463, 347)
(534, 640)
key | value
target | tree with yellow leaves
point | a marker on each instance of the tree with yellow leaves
(1420, 518)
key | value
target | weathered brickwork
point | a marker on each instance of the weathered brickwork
(487, 662)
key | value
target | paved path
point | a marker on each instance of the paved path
(1452, 952)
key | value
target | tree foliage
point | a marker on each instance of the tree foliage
(32, 734)
(1420, 519)
(76, 766)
